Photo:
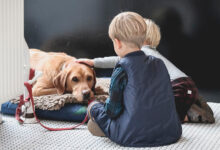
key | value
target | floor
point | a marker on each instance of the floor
(33, 136)
(211, 95)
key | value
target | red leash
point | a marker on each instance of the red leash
(18, 109)
(22, 101)
(30, 97)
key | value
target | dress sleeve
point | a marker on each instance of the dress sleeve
(114, 104)
(106, 62)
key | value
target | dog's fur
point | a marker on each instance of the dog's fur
(62, 74)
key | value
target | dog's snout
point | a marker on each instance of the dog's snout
(86, 94)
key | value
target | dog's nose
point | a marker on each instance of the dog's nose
(86, 94)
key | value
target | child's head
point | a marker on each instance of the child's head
(129, 28)
(153, 34)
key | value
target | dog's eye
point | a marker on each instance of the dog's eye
(75, 79)
(89, 78)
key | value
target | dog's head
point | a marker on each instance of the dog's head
(78, 79)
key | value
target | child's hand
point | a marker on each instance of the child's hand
(89, 62)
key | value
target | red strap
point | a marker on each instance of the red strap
(30, 97)
(18, 109)
(31, 74)
(29, 88)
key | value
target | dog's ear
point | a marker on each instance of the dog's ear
(94, 74)
(59, 82)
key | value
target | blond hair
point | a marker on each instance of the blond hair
(128, 27)
(153, 34)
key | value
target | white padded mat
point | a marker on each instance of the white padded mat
(32, 136)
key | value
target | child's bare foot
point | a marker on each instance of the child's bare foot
(186, 119)
(0, 118)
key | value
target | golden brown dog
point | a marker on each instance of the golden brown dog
(62, 74)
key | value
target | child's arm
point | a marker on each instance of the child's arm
(105, 62)
(114, 104)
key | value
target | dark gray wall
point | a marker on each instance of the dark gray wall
(190, 30)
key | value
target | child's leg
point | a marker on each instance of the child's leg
(190, 107)
(94, 128)
(185, 93)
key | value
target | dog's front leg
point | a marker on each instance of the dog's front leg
(41, 88)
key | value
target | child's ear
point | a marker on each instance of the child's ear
(118, 43)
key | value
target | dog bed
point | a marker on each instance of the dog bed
(60, 107)
(70, 112)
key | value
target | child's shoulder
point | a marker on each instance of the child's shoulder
(155, 61)
(153, 58)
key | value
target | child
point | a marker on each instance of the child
(185, 90)
(140, 110)
(190, 107)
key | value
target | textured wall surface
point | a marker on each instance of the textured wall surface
(14, 52)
